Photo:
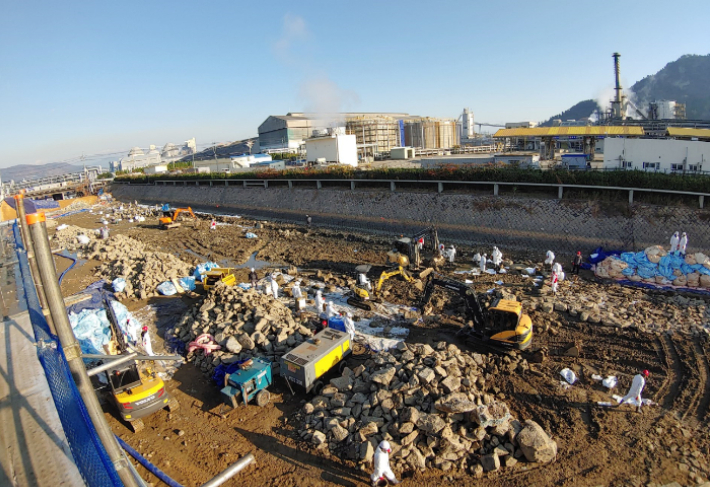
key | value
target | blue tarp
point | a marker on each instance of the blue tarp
(202, 269)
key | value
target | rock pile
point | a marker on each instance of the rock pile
(67, 238)
(437, 408)
(142, 268)
(245, 323)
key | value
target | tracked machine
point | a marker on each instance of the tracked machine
(170, 217)
(501, 325)
(363, 296)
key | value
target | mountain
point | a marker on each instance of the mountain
(685, 81)
(583, 109)
(32, 171)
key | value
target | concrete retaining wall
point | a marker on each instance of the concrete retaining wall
(525, 224)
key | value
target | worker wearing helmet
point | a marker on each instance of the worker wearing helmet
(382, 465)
(576, 263)
(634, 394)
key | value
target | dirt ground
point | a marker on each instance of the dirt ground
(597, 446)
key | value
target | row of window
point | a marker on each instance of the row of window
(674, 167)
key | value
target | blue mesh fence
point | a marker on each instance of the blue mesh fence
(89, 454)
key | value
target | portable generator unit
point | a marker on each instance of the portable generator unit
(309, 361)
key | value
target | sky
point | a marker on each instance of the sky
(80, 77)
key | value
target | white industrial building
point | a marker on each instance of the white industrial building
(663, 155)
(157, 169)
(233, 163)
(332, 147)
(137, 158)
(529, 160)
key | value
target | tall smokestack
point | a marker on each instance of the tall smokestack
(616, 104)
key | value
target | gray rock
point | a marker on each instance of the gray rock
(369, 429)
(339, 433)
(416, 460)
(430, 423)
(409, 414)
(367, 452)
(358, 398)
(246, 341)
(342, 383)
(318, 438)
(426, 375)
(455, 403)
(233, 345)
(490, 463)
(451, 384)
(406, 428)
(535, 444)
(383, 376)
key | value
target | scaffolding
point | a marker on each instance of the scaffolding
(380, 133)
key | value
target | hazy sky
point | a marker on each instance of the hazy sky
(88, 77)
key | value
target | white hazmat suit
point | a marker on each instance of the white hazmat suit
(497, 257)
(452, 254)
(675, 240)
(549, 257)
(634, 394)
(350, 325)
(364, 281)
(383, 471)
(476, 258)
(296, 290)
(683, 243)
(329, 311)
(483, 263)
(147, 345)
(319, 301)
(553, 281)
(274, 288)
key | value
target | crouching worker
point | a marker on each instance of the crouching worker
(382, 465)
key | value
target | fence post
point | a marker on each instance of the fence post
(352, 185)
(631, 196)
(71, 348)
(244, 183)
(441, 187)
(290, 184)
(495, 189)
(701, 201)
(559, 192)
(393, 186)
(318, 185)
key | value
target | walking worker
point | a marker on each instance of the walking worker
(554, 278)
(452, 254)
(683, 244)
(213, 225)
(483, 263)
(274, 287)
(576, 263)
(634, 394)
(308, 219)
(296, 290)
(147, 345)
(382, 470)
(442, 250)
(420, 243)
(329, 311)
(497, 257)
(253, 278)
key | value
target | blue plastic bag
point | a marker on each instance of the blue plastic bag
(251, 235)
(630, 259)
(92, 329)
(629, 271)
(201, 269)
(119, 284)
(167, 288)
(187, 283)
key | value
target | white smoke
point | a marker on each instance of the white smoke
(322, 98)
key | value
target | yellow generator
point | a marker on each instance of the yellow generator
(217, 275)
(308, 362)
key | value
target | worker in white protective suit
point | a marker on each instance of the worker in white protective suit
(476, 258)
(363, 281)
(452, 254)
(319, 301)
(683, 244)
(442, 250)
(675, 240)
(497, 257)
(483, 263)
(350, 325)
(213, 225)
(274, 287)
(329, 311)
(549, 258)
(296, 290)
(557, 269)
(147, 345)
(634, 394)
(554, 278)
(383, 471)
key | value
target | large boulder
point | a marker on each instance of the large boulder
(233, 345)
(430, 423)
(383, 376)
(536, 445)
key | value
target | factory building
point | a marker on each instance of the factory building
(138, 159)
(661, 155)
(232, 163)
(378, 132)
(285, 132)
(430, 133)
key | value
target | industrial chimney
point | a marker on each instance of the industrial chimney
(617, 105)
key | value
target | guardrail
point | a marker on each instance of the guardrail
(440, 185)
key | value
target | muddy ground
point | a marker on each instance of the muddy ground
(597, 446)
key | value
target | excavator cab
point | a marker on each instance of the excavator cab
(170, 218)
(399, 256)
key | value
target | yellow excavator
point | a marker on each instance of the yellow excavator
(500, 325)
(170, 217)
(364, 294)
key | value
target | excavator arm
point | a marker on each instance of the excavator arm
(473, 306)
(388, 274)
(183, 210)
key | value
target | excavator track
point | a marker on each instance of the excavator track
(360, 304)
